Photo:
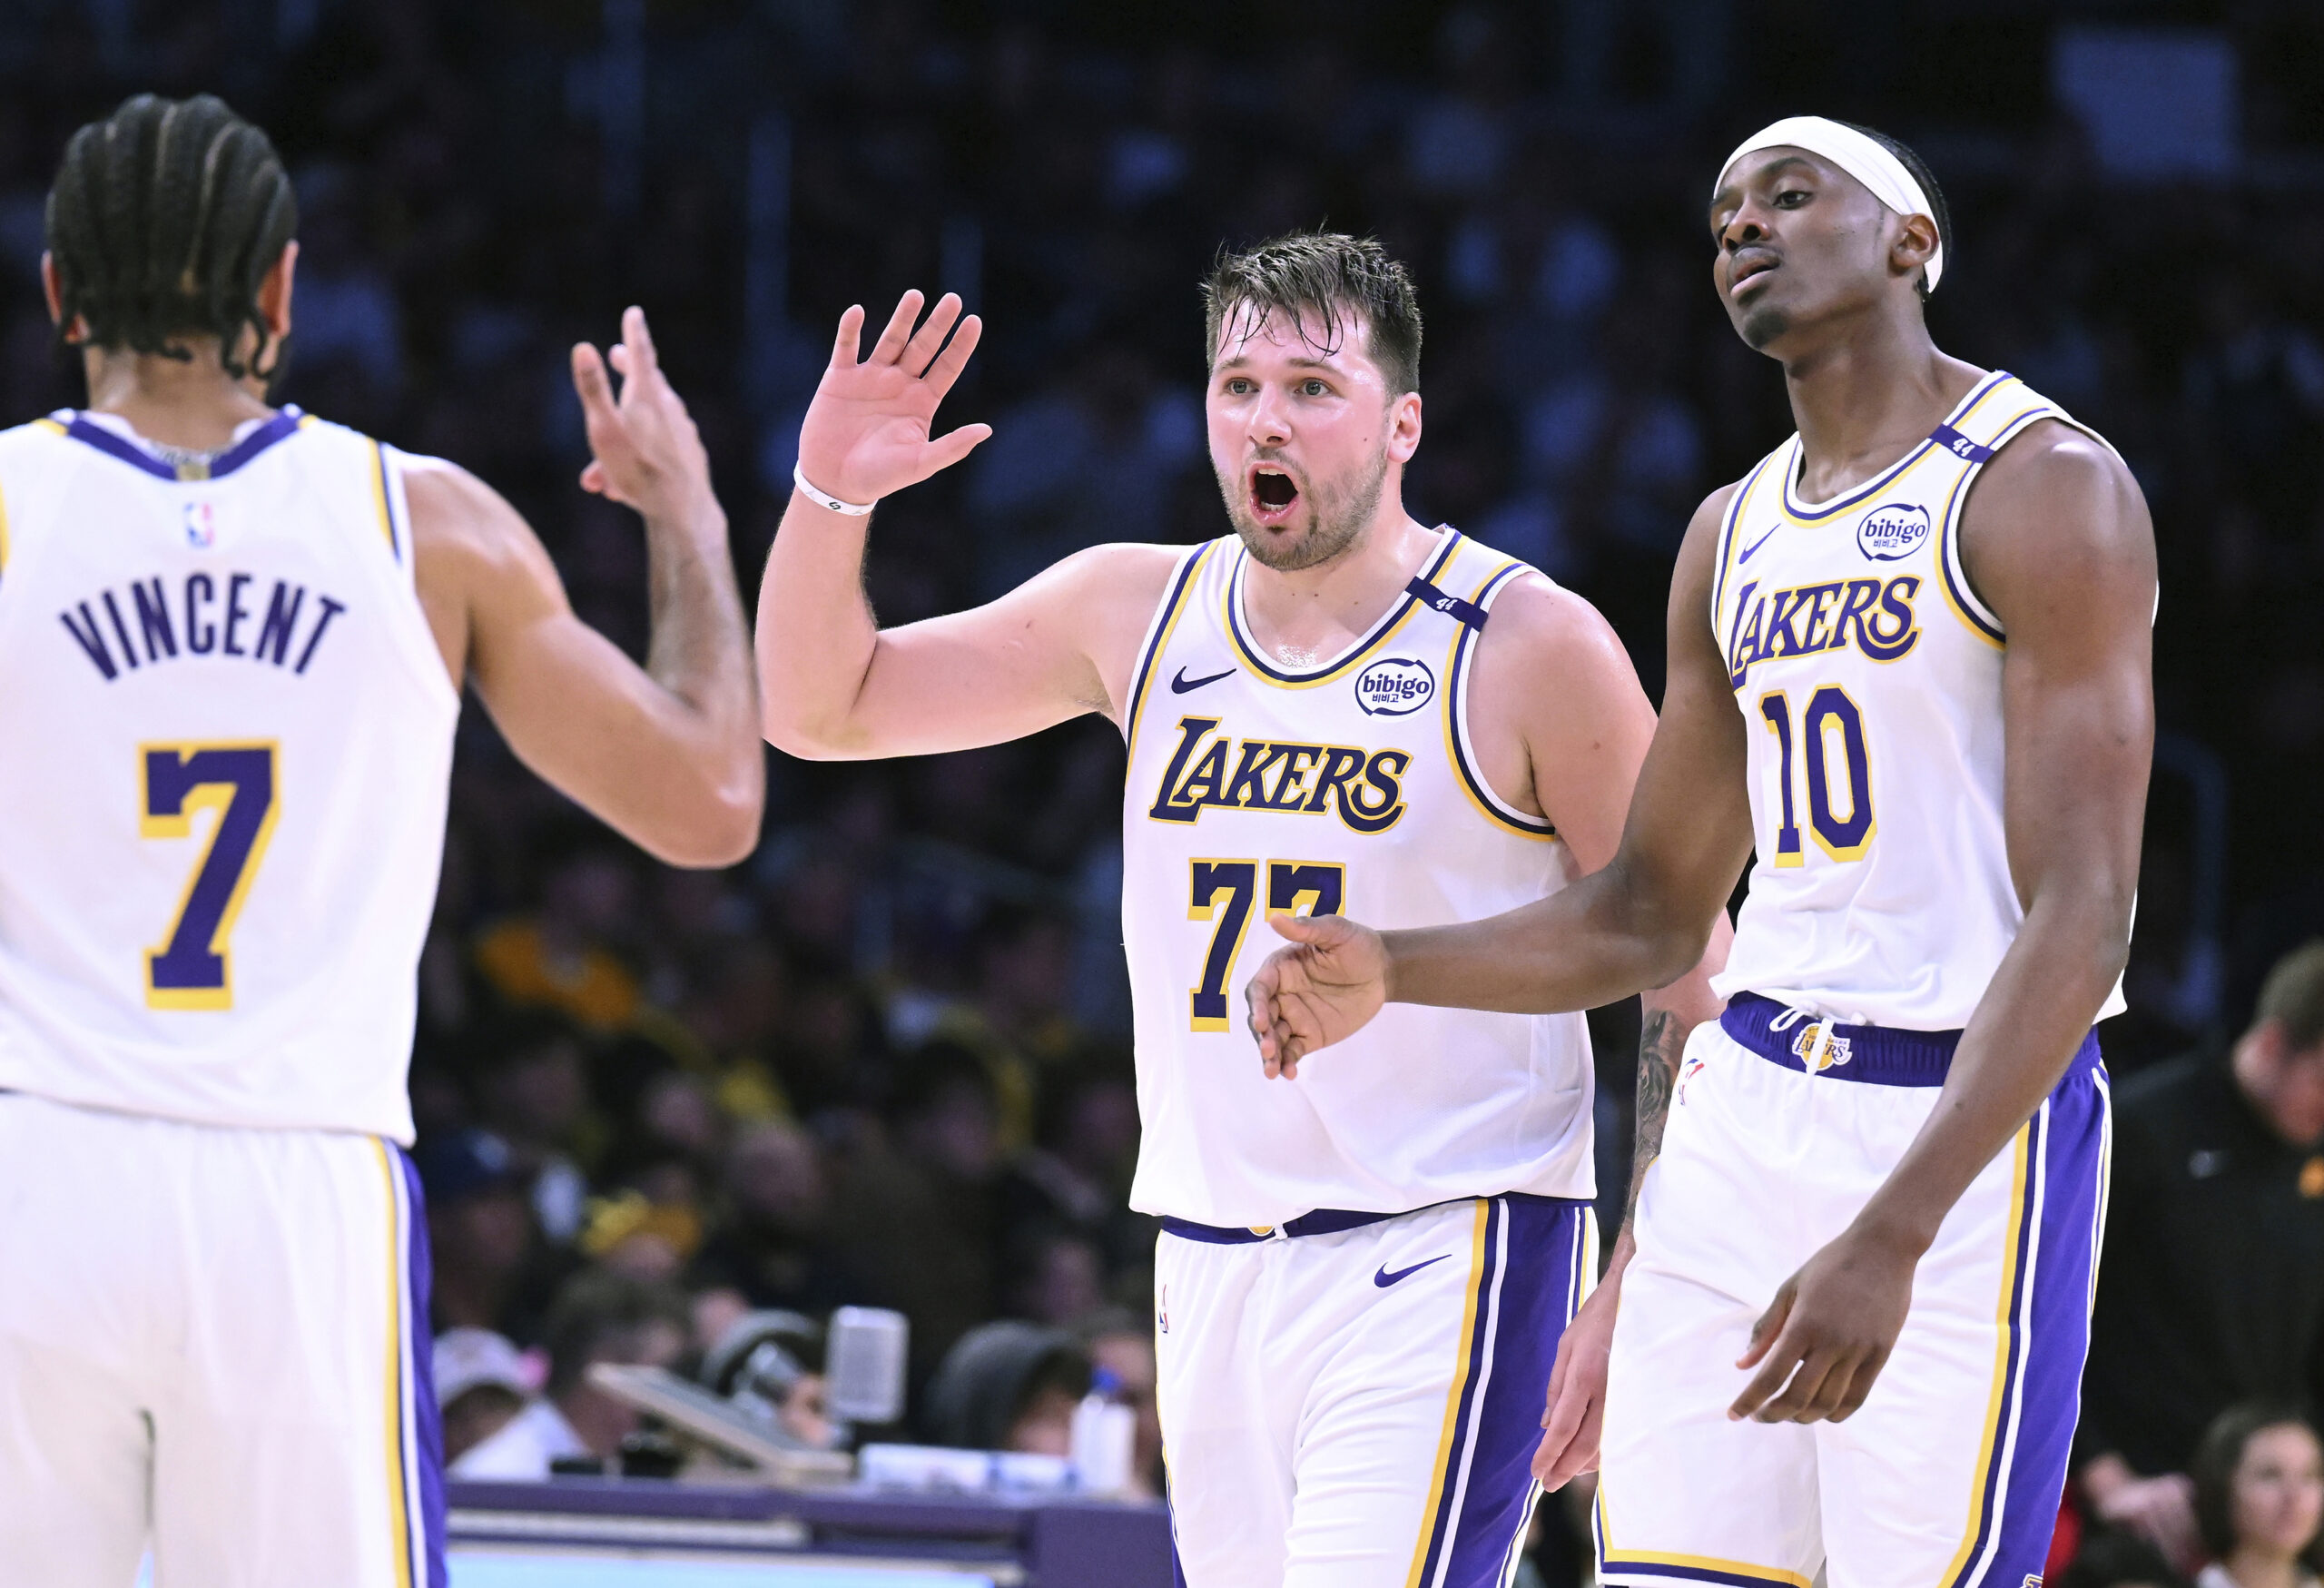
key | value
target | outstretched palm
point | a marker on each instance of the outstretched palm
(866, 434)
(1321, 988)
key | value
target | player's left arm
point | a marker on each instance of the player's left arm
(667, 754)
(2056, 540)
(1553, 663)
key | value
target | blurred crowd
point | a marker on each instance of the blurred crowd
(885, 1060)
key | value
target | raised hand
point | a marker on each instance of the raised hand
(645, 452)
(1321, 988)
(866, 433)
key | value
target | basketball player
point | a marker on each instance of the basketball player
(1361, 1284)
(1909, 665)
(235, 637)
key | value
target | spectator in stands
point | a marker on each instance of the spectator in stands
(2213, 1291)
(1009, 1385)
(913, 1212)
(492, 1268)
(2258, 1480)
(481, 1384)
(598, 1317)
(770, 1246)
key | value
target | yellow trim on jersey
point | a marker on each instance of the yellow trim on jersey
(1733, 533)
(1452, 1397)
(4, 533)
(398, 1508)
(380, 498)
(51, 427)
(1627, 1557)
(1895, 472)
(1944, 565)
(1181, 597)
(1266, 672)
(2003, 1323)
(1456, 656)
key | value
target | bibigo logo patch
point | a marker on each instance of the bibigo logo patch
(1894, 531)
(1394, 685)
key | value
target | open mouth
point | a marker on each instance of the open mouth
(1273, 494)
(1747, 268)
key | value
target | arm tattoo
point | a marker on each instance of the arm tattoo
(1660, 1042)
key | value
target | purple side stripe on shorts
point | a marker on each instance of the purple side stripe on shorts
(2050, 1333)
(1539, 1292)
(420, 1281)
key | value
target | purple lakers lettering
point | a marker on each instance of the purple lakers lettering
(1210, 769)
(1876, 615)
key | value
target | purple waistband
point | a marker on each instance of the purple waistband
(1326, 1221)
(1873, 1055)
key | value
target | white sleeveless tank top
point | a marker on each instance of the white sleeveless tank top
(1352, 787)
(228, 733)
(1868, 674)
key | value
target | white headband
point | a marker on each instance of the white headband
(1864, 159)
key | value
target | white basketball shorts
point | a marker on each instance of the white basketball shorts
(1356, 1404)
(1948, 1476)
(212, 1344)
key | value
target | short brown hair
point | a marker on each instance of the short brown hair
(2293, 996)
(1322, 281)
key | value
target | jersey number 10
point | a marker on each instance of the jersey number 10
(1221, 891)
(191, 968)
(1831, 714)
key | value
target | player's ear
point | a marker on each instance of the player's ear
(1403, 426)
(274, 291)
(51, 288)
(1914, 246)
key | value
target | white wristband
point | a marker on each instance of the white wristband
(823, 499)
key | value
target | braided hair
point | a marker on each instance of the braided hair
(165, 217)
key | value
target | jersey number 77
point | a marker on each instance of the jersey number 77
(191, 967)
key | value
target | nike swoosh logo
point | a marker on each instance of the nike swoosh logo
(1755, 546)
(1181, 684)
(1385, 1278)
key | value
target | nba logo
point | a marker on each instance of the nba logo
(201, 525)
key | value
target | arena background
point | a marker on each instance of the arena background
(886, 1060)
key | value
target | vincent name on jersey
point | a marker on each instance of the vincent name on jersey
(1804, 619)
(206, 618)
(1264, 775)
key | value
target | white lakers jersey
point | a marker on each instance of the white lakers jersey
(1257, 789)
(1869, 678)
(227, 735)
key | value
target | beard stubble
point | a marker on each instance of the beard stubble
(1339, 518)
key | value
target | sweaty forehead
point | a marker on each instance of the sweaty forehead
(1311, 334)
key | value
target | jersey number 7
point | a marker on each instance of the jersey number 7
(191, 968)
(1222, 891)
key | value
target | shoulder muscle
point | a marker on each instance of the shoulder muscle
(2056, 520)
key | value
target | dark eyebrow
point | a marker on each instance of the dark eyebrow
(1725, 194)
(1240, 359)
